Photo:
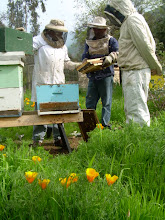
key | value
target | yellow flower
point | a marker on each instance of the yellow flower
(156, 82)
(2, 147)
(111, 179)
(4, 155)
(27, 103)
(34, 158)
(67, 181)
(30, 176)
(43, 183)
(91, 174)
(73, 177)
(100, 126)
(27, 99)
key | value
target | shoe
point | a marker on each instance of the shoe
(58, 142)
(108, 127)
(40, 142)
(36, 143)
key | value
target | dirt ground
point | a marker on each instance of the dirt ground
(49, 146)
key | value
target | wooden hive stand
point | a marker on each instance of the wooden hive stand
(86, 119)
(32, 118)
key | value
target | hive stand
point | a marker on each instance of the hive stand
(90, 120)
(31, 118)
(86, 119)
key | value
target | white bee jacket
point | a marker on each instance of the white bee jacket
(49, 64)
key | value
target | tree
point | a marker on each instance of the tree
(23, 13)
(143, 6)
(156, 21)
(2, 19)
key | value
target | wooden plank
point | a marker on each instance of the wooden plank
(90, 65)
(89, 122)
(58, 106)
(89, 62)
(32, 118)
(64, 138)
(10, 113)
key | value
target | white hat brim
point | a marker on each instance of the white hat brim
(56, 28)
(97, 25)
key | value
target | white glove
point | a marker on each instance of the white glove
(107, 61)
(110, 59)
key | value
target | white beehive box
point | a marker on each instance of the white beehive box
(11, 84)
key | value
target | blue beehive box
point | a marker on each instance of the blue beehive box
(57, 99)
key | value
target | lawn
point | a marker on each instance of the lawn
(118, 174)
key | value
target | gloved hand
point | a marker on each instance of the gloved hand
(107, 61)
(77, 64)
(110, 59)
(20, 29)
(84, 60)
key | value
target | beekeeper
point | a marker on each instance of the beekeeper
(100, 44)
(50, 58)
(136, 58)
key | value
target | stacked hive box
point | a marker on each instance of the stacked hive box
(13, 47)
(11, 84)
(57, 99)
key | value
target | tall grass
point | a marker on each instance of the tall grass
(135, 154)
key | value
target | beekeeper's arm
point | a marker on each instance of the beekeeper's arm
(68, 64)
(38, 42)
(142, 38)
(112, 57)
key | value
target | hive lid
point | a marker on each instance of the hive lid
(17, 55)
(12, 58)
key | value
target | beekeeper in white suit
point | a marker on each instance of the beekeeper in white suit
(136, 58)
(50, 58)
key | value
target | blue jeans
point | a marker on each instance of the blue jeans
(39, 131)
(100, 89)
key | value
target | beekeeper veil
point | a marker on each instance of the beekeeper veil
(99, 23)
(118, 10)
(55, 33)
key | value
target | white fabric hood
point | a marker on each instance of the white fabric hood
(136, 43)
(125, 7)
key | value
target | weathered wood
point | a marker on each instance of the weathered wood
(10, 113)
(64, 138)
(31, 118)
(89, 122)
(58, 106)
(90, 65)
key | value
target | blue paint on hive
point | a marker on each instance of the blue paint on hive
(57, 93)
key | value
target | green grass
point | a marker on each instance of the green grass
(135, 154)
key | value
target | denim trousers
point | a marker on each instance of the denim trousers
(39, 131)
(100, 89)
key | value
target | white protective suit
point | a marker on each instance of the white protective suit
(136, 59)
(49, 64)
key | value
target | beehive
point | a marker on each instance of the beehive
(57, 99)
(14, 40)
(11, 84)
